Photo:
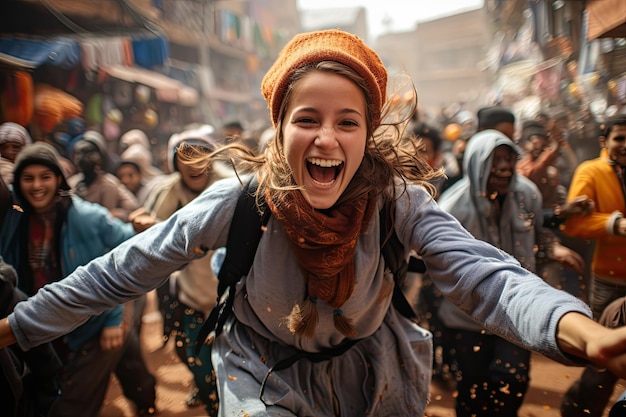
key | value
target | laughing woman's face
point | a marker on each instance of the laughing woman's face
(40, 186)
(325, 131)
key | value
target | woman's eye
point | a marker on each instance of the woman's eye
(305, 120)
(349, 123)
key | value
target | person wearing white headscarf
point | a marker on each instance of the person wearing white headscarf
(189, 295)
(13, 138)
(135, 146)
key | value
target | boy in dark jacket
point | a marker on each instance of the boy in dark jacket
(28, 379)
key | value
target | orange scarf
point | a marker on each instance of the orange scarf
(324, 243)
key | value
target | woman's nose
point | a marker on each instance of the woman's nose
(326, 137)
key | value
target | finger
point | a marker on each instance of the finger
(136, 213)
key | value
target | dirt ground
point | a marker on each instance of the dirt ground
(548, 381)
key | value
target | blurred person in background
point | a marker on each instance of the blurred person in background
(13, 138)
(538, 160)
(583, 135)
(29, 380)
(468, 122)
(498, 118)
(232, 131)
(427, 141)
(539, 165)
(135, 148)
(134, 145)
(603, 180)
(453, 154)
(46, 235)
(129, 174)
(189, 295)
(558, 127)
(504, 209)
(94, 181)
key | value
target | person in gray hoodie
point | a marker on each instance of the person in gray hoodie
(504, 209)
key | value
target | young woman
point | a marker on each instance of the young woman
(318, 280)
(46, 234)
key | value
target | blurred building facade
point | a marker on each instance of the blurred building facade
(229, 45)
(152, 64)
(350, 19)
(161, 64)
(443, 58)
(529, 55)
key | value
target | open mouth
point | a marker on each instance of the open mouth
(324, 171)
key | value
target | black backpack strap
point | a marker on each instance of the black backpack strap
(245, 232)
(315, 357)
(393, 253)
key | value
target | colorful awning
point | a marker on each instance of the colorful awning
(166, 89)
(91, 51)
(30, 54)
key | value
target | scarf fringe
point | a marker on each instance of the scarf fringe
(344, 325)
(303, 318)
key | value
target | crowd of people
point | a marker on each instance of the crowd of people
(500, 216)
(477, 364)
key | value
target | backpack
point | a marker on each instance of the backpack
(249, 222)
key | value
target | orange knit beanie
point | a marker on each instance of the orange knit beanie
(326, 45)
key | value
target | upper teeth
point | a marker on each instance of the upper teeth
(325, 162)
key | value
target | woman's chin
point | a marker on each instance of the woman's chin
(321, 200)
